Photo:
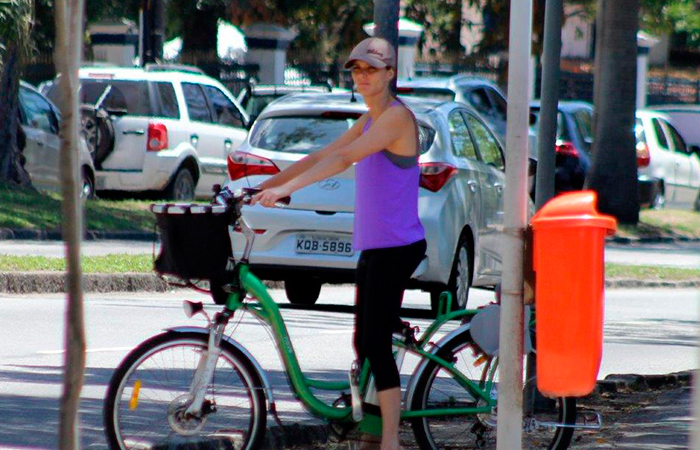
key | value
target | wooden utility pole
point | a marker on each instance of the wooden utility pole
(68, 55)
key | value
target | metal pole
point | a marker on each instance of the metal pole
(386, 24)
(554, 11)
(510, 390)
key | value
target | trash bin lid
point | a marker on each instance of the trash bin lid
(575, 209)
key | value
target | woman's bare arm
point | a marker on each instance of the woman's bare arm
(309, 161)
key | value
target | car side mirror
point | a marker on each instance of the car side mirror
(695, 149)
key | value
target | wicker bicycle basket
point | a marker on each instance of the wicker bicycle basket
(195, 243)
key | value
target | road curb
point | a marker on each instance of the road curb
(615, 383)
(618, 283)
(54, 282)
(57, 235)
(651, 240)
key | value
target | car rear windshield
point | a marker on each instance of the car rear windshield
(305, 134)
(309, 134)
(133, 97)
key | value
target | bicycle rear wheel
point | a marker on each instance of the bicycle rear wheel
(437, 389)
(149, 394)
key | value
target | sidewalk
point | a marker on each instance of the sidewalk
(639, 412)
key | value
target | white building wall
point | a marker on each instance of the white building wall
(577, 34)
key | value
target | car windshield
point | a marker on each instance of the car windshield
(443, 95)
(298, 134)
(257, 103)
(560, 123)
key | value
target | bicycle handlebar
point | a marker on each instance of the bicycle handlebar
(227, 197)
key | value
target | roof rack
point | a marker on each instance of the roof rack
(173, 68)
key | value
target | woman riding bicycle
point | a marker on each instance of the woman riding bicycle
(384, 143)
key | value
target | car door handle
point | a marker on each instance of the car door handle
(40, 143)
(472, 185)
(134, 132)
(194, 139)
(499, 187)
(228, 143)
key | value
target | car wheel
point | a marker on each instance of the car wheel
(87, 190)
(181, 187)
(302, 290)
(659, 199)
(460, 278)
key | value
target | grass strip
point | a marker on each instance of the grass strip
(122, 263)
(22, 208)
(663, 223)
(660, 273)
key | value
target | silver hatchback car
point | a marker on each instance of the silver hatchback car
(309, 242)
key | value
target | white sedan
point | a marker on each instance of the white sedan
(309, 242)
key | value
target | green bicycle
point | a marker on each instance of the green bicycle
(193, 387)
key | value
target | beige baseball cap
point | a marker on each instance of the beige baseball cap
(376, 52)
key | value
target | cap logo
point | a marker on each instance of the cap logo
(375, 52)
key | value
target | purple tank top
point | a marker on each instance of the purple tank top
(386, 202)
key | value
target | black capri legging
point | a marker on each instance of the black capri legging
(382, 276)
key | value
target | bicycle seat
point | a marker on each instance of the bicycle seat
(422, 268)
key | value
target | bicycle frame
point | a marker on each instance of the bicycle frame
(267, 310)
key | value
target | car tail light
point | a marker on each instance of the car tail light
(241, 164)
(566, 148)
(237, 228)
(433, 176)
(157, 137)
(643, 155)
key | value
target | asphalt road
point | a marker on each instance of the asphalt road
(671, 254)
(646, 331)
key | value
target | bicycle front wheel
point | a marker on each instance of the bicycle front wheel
(149, 394)
(437, 389)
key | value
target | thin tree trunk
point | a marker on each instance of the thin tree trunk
(613, 174)
(11, 166)
(69, 44)
(386, 25)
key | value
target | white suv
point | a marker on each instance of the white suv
(161, 128)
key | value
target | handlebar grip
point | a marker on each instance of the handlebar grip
(254, 190)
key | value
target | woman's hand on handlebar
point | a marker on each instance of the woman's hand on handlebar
(269, 197)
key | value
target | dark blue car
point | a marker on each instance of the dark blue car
(573, 145)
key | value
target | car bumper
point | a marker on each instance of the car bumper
(646, 188)
(158, 167)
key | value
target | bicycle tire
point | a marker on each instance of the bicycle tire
(237, 413)
(435, 388)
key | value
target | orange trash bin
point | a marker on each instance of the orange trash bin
(569, 245)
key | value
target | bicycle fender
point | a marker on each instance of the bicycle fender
(436, 347)
(267, 386)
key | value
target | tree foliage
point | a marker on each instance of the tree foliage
(673, 16)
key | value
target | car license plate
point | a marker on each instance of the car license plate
(324, 245)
